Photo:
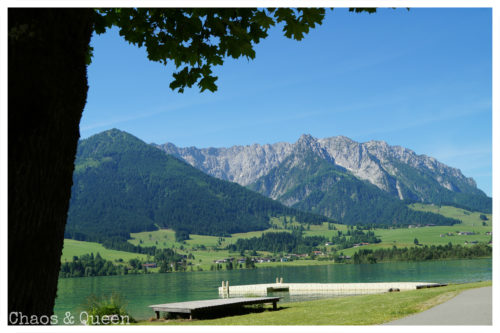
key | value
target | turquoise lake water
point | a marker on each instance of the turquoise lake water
(143, 290)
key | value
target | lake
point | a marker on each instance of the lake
(147, 289)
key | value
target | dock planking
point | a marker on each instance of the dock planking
(324, 288)
(205, 306)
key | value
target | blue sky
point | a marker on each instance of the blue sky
(419, 79)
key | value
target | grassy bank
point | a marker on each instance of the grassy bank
(352, 310)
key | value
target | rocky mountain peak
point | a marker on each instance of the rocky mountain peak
(306, 139)
(396, 170)
(309, 144)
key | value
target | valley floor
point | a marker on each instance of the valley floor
(203, 251)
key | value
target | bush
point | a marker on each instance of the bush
(99, 307)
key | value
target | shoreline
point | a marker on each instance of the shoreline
(288, 264)
(373, 309)
(138, 295)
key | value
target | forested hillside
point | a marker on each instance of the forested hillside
(122, 185)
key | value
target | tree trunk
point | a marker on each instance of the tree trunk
(47, 90)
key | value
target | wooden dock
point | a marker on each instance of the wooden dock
(206, 306)
(322, 288)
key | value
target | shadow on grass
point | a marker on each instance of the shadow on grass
(229, 311)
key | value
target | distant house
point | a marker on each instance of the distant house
(262, 260)
(284, 259)
(328, 244)
(488, 233)
(149, 265)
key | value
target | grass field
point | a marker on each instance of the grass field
(468, 218)
(352, 310)
(78, 248)
(432, 235)
(165, 238)
(214, 246)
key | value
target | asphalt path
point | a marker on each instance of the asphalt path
(471, 307)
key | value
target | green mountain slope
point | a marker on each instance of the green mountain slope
(305, 180)
(123, 185)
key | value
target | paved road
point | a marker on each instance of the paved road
(471, 307)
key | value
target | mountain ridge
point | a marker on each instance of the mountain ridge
(123, 185)
(396, 170)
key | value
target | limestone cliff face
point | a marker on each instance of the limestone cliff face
(448, 177)
(356, 158)
(396, 170)
(240, 164)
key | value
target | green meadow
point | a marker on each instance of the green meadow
(77, 248)
(206, 249)
(468, 218)
(435, 235)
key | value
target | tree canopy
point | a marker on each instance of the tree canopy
(197, 39)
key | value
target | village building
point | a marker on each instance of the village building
(149, 265)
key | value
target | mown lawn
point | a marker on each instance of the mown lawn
(352, 310)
